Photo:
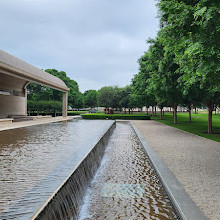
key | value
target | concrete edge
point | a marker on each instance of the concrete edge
(59, 188)
(38, 122)
(186, 209)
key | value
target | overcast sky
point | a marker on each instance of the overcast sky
(96, 42)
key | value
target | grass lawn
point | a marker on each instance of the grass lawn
(198, 126)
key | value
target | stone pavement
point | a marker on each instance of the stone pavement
(36, 122)
(193, 160)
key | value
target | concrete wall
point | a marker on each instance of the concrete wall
(12, 105)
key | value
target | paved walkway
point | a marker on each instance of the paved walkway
(35, 122)
(194, 161)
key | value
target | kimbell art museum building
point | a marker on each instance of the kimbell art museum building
(15, 75)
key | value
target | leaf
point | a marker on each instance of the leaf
(200, 12)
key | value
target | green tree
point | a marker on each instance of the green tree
(191, 29)
(90, 97)
(140, 83)
(75, 98)
(163, 81)
(124, 98)
(106, 96)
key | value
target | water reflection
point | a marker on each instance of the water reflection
(29, 155)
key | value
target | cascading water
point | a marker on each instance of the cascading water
(126, 186)
(36, 161)
(119, 185)
(66, 202)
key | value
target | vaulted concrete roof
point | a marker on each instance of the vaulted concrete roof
(15, 67)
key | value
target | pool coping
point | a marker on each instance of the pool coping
(23, 124)
(184, 206)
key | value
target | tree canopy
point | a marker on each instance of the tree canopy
(90, 97)
(38, 93)
(181, 66)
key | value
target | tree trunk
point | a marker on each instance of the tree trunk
(175, 113)
(195, 110)
(210, 109)
(190, 116)
(155, 109)
(129, 111)
(147, 111)
(152, 110)
(161, 113)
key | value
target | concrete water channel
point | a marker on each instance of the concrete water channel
(126, 185)
(85, 170)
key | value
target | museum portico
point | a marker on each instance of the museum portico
(15, 75)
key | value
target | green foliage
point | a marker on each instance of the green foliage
(38, 93)
(106, 96)
(46, 106)
(116, 97)
(75, 97)
(116, 116)
(72, 113)
(163, 80)
(123, 98)
(191, 29)
(90, 97)
(182, 64)
(139, 96)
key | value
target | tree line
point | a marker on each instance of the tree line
(180, 68)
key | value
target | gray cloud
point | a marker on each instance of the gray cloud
(97, 42)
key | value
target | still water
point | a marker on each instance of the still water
(35, 160)
(125, 186)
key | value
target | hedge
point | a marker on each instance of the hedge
(73, 113)
(49, 106)
(116, 116)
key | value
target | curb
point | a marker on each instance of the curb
(186, 209)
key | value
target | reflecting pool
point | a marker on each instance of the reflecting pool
(35, 160)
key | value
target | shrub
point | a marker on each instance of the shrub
(44, 106)
(72, 113)
(116, 116)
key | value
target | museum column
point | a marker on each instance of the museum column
(65, 104)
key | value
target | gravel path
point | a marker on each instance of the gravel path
(195, 161)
